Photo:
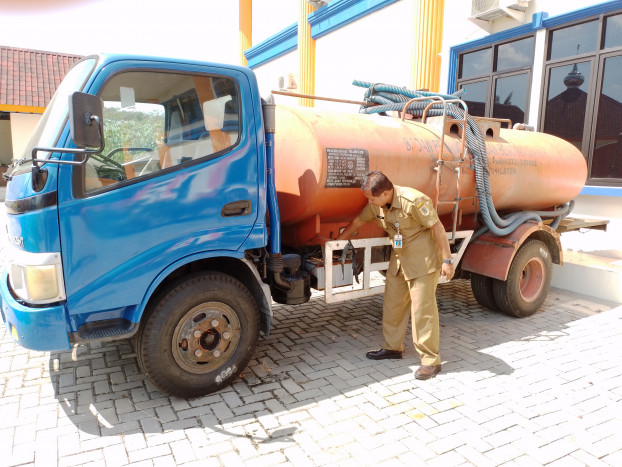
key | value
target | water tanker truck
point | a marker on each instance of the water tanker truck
(163, 200)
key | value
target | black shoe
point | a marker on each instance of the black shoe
(383, 354)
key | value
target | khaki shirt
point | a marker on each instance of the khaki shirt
(415, 214)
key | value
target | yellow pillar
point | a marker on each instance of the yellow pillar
(246, 28)
(425, 70)
(306, 55)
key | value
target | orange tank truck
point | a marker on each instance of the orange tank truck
(321, 156)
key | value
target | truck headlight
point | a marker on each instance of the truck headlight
(36, 278)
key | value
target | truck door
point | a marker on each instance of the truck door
(178, 179)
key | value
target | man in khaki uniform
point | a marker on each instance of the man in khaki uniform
(420, 250)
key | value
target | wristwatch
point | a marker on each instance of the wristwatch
(448, 261)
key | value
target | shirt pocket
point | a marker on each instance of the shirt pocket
(405, 221)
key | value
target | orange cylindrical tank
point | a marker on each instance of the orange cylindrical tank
(321, 156)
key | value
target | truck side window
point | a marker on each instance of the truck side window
(157, 120)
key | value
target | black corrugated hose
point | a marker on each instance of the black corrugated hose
(384, 98)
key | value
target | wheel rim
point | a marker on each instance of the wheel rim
(205, 337)
(532, 279)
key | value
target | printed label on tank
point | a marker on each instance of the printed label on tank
(346, 167)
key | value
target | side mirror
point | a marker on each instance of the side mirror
(85, 118)
(86, 126)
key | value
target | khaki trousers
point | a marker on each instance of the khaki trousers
(414, 299)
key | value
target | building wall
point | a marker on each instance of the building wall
(22, 126)
(6, 144)
(376, 48)
(269, 73)
(597, 242)
(457, 13)
(271, 16)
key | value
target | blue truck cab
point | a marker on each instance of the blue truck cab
(144, 206)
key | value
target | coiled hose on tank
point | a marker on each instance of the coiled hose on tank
(382, 98)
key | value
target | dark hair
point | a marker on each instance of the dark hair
(376, 182)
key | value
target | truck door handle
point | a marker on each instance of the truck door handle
(236, 208)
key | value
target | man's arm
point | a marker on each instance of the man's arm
(443, 245)
(352, 227)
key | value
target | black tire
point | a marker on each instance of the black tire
(528, 283)
(482, 287)
(199, 335)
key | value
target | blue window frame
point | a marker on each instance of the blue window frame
(497, 79)
(583, 53)
(582, 100)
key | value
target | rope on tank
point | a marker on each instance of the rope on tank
(382, 98)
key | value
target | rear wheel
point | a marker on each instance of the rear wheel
(482, 287)
(199, 335)
(528, 282)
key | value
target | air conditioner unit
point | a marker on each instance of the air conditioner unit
(287, 82)
(484, 12)
(489, 10)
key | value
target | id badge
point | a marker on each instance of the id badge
(397, 241)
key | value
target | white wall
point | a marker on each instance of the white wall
(268, 76)
(6, 145)
(376, 48)
(597, 242)
(558, 7)
(272, 16)
(457, 29)
(22, 126)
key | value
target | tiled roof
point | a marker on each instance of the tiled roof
(28, 78)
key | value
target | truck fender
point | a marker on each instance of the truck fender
(491, 256)
(223, 262)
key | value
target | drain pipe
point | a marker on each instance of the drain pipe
(275, 259)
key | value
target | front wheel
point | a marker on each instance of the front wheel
(199, 335)
(528, 282)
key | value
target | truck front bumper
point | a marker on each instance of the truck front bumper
(35, 328)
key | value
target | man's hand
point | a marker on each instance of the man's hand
(352, 227)
(448, 271)
(442, 243)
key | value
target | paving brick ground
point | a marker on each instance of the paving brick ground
(545, 390)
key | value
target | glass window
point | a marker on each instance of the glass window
(515, 54)
(607, 157)
(567, 101)
(475, 63)
(574, 40)
(156, 120)
(511, 97)
(475, 97)
(613, 31)
(496, 71)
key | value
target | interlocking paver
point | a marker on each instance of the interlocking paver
(545, 390)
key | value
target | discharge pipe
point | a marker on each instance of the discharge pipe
(275, 259)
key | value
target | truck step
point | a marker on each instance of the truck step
(110, 329)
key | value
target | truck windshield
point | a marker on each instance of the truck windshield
(55, 116)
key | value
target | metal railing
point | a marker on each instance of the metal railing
(367, 287)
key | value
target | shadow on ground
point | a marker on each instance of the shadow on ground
(315, 352)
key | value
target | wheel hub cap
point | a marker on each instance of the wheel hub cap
(532, 280)
(205, 337)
